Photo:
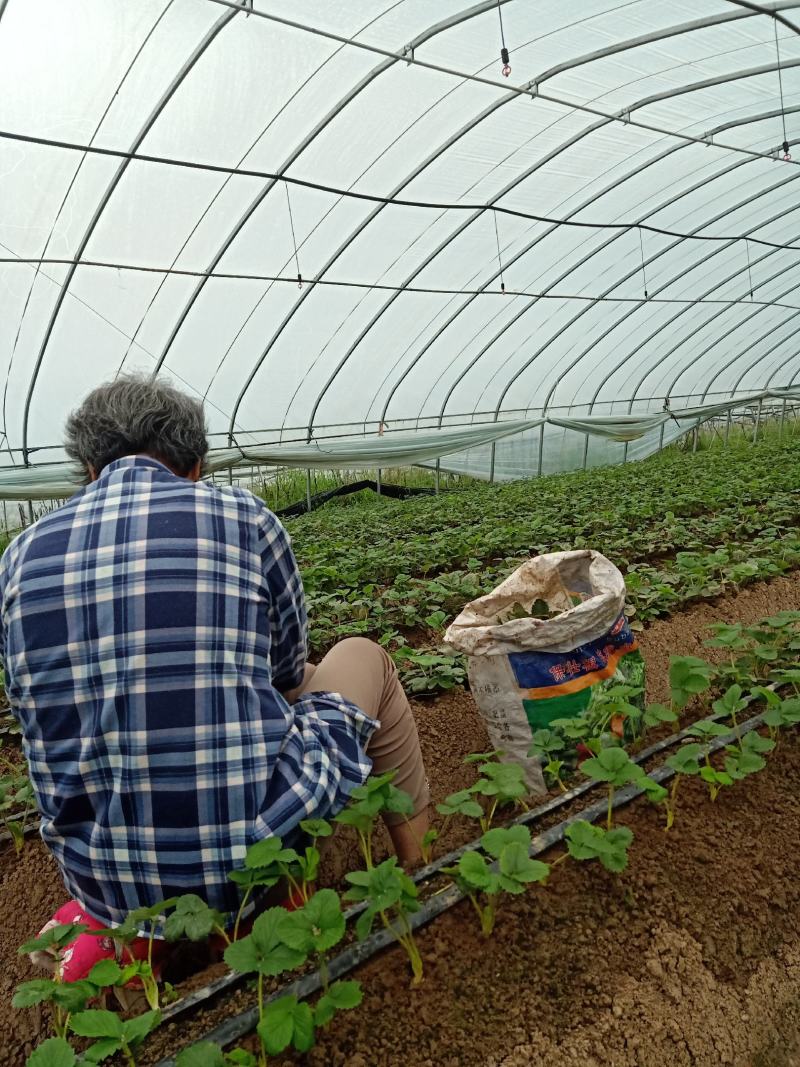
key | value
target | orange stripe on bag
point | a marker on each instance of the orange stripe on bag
(576, 684)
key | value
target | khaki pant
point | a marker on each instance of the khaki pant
(364, 673)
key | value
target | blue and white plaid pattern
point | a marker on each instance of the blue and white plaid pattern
(149, 627)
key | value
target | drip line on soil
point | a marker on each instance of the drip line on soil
(430, 870)
(422, 874)
(245, 1023)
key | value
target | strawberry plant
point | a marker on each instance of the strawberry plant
(128, 931)
(368, 801)
(684, 762)
(585, 841)
(209, 1054)
(512, 872)
(390, 894)
(688, 676)
(112, 1033)
(614, 766)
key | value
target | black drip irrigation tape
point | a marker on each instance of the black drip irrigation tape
(395, 492)
(245, 1023)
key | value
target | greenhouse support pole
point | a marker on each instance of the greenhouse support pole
(696, 436)
(378, 481)
(491, 465)
(308, 488)
(661, 437)
(625, 453)
(728, 425)
(586, 452)
(30, 511)
(438, 472)
(541, 448)
(758, 420)
(783, 419)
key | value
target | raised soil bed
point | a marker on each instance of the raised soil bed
(692, 957)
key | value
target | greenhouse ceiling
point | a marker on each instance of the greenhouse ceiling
(328, 214)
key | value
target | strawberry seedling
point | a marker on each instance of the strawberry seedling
(513, 872)
(112, 1033)
(688, 676)
(392, 895)
(684, 762)
(614, 766)
(588, 842)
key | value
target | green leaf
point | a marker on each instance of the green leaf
(684, 761)
(54, 1052)
(96, 1023)
(57, 937)
(494, 841)
(317, 926)
(611, 765)
(516, 863)
(102, 1049)
(316, 827)
(268, 851)
(203, 1054)
(106, 973)
(264, 951)
(286, 1022)
(473, 868)
(340, 997)
(74, 996)
(192, 919)
(239, 1057)
(36, 991)
(136, 1029)
(365, 922)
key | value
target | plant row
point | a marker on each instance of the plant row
(758, 668)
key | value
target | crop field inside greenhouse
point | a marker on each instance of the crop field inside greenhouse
(633, 946)
(399, 533)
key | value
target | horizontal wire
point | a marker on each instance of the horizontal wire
(375, 198)
(530, 89)
(381, 287)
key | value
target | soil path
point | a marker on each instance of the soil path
(555, 966)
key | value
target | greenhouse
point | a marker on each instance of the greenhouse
(497, 306)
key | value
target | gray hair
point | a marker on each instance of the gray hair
(132, 415)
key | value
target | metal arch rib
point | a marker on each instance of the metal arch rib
(429, 259)
(738, 356)
(759, 309)
(662, 326)
(644, 102)
(717, 251)
(772, 12)
(781, 341)
(386, 64)
(650, 38)
(346, 244)
(769, 351)
(657, 159)
(780, 366)
(210, 35)
(583, 311)
(713, 317)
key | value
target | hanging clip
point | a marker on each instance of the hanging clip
(502, 287)
(299, 281)
(786, 154)
(504, 57)
(408, 54)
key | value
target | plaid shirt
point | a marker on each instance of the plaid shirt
(149, 627)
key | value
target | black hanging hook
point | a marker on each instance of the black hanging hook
(504, 56)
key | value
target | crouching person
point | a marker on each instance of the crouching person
(154, 642)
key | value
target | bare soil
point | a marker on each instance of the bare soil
(692, 957)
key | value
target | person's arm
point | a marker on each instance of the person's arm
(287, 611)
